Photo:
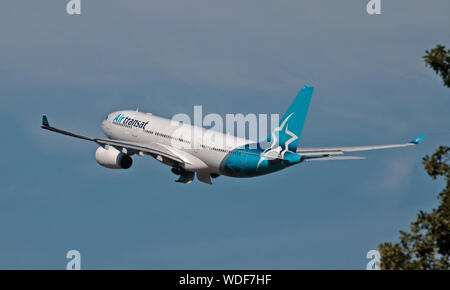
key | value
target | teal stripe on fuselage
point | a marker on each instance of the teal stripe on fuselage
(246, 162)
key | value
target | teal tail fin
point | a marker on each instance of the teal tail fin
(287, 134)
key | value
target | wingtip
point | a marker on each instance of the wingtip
(45, 121)
(418, 139)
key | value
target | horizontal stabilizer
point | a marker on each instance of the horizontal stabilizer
(334, 158)
(418, 139)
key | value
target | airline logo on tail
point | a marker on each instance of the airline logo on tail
(287, 135)
(278, 130)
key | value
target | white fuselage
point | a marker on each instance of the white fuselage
(205, 148)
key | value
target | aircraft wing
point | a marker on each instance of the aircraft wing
(327, 153)
(125, 147)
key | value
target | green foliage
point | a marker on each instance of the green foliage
(439, 60)
(427, 246)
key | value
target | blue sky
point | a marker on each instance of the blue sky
(231, 57)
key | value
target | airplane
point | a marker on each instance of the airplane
(137, 133)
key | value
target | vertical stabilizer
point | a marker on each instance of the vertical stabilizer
(287, 134)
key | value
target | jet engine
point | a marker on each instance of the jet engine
(112, 158)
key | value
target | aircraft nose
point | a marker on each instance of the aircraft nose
(105, 125)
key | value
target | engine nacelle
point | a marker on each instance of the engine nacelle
(112, 158)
